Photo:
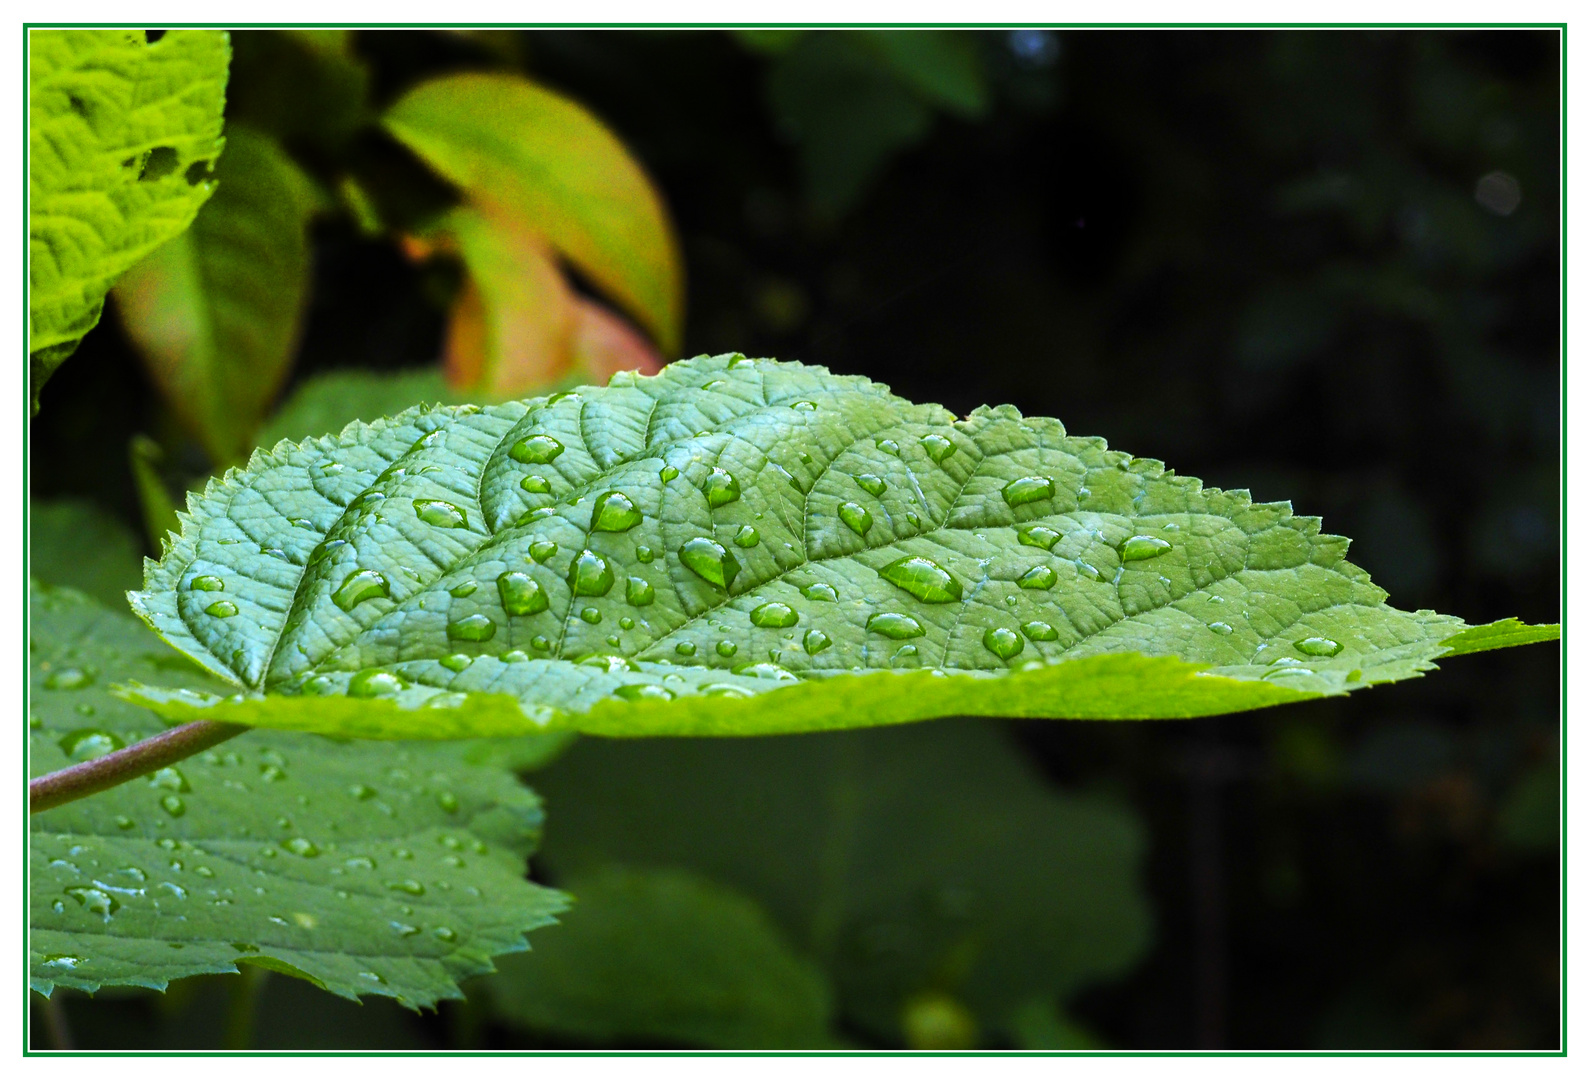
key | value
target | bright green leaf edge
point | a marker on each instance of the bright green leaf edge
(494, 695)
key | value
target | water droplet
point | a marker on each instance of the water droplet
(324, 549)
(896, 626)
(457, 661)
(1220, 628)
(87, 743)
(872, 485)
(64, 960)
(708, 560)
(727, 648)
(747, 537)
(855, 516)
(720, 488)
(766, 671)
(815, 642)
(521, 594)
(98, 901)
(1040, 631)
(1002, 642)
(626, 623)
(447, 801)
(514, 656)
(536, 450)
(222, 609)
(476, 627)
(614, 512)
(888, 446)
(207, 583)
(1287, 672)
(1318, 646)
(724, 690)
(644, 692)
(540, 643)
(124, 822)
(685, 648)
(464, 589)
(359, 586)
(535, 515)
(592, 615)
(173, 805)
(1141, 547)
(667, 473)
(373, 682)
(169, 778)
(644, 553)
(407, 885)
(362, 792)
(1028, 489)
(536, 485)
(1039, 577)
(938, 447)
(442, 515)
(542, 550)
(1038, 536)
(804, 406)
(638, 592)
(590, 575)
(774, 615)
(298, 845)
(444, 933)
(1092, 573)
(922, 578)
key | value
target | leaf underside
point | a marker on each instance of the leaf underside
(121, 138)
(366, 868)
(644, 558)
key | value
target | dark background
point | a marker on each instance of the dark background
(1268, 258)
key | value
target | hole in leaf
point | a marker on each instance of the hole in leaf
(152, 36)
(159, 163)
(199, 170)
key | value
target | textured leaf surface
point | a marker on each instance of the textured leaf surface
(216, 312)
(906, 860)
(507, 141)
(366, 868)
(640, 558)
(60, 531)
(120, 136)
(663, 957)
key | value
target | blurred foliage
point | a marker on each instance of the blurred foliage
(1341, 246)
(62, 530)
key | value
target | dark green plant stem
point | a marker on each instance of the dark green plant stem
(55, 1023)
(89, 777)
(244, 1007)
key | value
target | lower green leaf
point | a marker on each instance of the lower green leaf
(667, 957)
(395, 870)
(61, 531)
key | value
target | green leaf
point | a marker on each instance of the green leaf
(507, 142)
(326, 403)
(216, 313)
(365, 868)
(914, 862)
(75, 543)
(121, 137)
(663, 956)
(1501, 634)
(642, 558)
(941, 66)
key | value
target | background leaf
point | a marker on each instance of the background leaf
(216, 313)
(514, 146)
(325, 404)
(72, 542)
(911, 860)
(367, 869)
(663, 958)
(122, 134)
(638, 559)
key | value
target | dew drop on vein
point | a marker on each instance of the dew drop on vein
(922, 578)
(359, 586)
(856, 517)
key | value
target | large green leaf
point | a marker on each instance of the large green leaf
(909, 862)
(663, 955)
(509, 143)
(216, 313)
(641, 559)
(365, 868)
(121, 136)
